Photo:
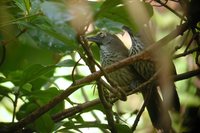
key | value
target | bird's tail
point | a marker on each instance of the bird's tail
(158, 113)
(175, 99)
(170, 98)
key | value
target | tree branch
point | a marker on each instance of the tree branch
(80, 108)
(73, 110)
(187, 75)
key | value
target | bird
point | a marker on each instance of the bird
(109, 44)
(112, 50)
(147, 69)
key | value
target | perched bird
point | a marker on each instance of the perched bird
(113, 50)
(147, 69)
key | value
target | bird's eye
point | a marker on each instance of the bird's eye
(101, 34)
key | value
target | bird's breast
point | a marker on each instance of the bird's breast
(122, 77)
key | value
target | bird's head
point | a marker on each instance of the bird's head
(102, 38)
(108, 42)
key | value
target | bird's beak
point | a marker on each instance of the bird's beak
(93, 39)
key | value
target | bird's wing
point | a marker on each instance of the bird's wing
(144, 68)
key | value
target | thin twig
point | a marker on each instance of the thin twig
(170, 9)
(141, 111)
(187, 75)
(73, 70)
(108, 108)
(190, 42)
(15, 105)
(86, 100)
(102, 97)
(182, 42)
(142, 86)
(160, 4)
(186, 53)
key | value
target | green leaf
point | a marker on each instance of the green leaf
(4, 91)
(117, 12)
(67, 126)
(35, 6)
(26, 109)
(109, 4)
(2, 79)
(15, 76)
(95, 5)
(59, 38)
(109, 25)
(20, 4)
(38, 98)
(67, 63)
(23, 53)
(42, 124)
(121, 128)
(35, 71)
(57, 12)
(78, 118)
(27, 87)
(27, 4)
(56, 35)
(44, 96)
(58, 125)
